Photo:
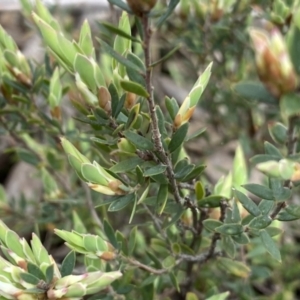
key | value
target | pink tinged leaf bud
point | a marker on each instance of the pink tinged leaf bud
(76, 290)
(140, 7)
(56, 294)
(9, 289)
(104, 99)
(273, 63)
(130, 100)
(104, 280)
(107, 256)
(69, 280)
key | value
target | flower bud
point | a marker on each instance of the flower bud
(273, 63)
(140, 7)
(104, 99)
(130, 100)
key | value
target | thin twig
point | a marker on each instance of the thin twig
(149, 269)
(201, 258)
(217, 236)
(152, 108)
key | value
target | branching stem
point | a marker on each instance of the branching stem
(152, 108)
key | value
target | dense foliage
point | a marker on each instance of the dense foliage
(123, 185)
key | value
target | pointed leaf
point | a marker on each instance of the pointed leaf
(134, 87)
(154, 170)
(259, 191)
(162, 198)
(247, 203)
(139, 141)
(126, 165)
(178, 137)
(230, 229)
(122, 202)
(270, 245)
(68, 264)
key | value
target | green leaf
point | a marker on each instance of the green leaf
(222, 296)
(290, 105)
(133, 210)
(118, 31)
(247, 203)
(266, 206)
(278, 132)
(121, 4)
(49, 273)
(134, 75)
(172, 5)
(114, 99)
(121, 59)
(261, 158)
(35, 271)
(126, 165)
(132, 240)
(191, 296)
(196, 134)
(134, 87)
(162, 198)
(174, 281)
(27, 156)
(211, 224)
(176, 216)
(286, 216)
(172, 107)
(210, 201)
(272, 150)
(235, 216)
(68, 264)
(178, 137)
(122, 202)
(293, 41)
(240, 172)
(260, 222)
(252, 90)
(259, 191)
(85, 68)
(230, 229)
(241, 239)
(224, 186)
(133, 115)
(12, 241)
(270, 245)
(92, 174)
(199, 190)
(273, 231)
(29, 278)
(183, 172)
(161, 122)
(109, 232)
(160, 178)
(169, 262)
(139, 141)
(234, 267)
(228, 246)
(280, 192)
(197, 171)
(293, 209)
(165, 57)
(155, 170)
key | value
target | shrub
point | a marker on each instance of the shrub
(120, 187)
